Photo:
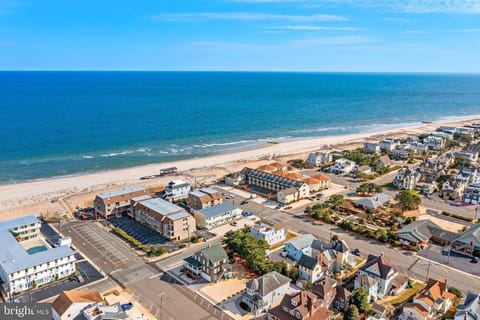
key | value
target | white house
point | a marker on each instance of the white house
(288, 195)
(217, 215)
(471, 156)
(342, 166)
(380, 278)
(309, 269)
(26, 261)
(372, 147)
(266, 291)
(70, 304)
(272, 235)
(406, 179)
(434, 142)
(299, 246)
(320, 158)
(388, 145)
(401, 151)
(470, 308)
(177, 190)
(432, 302)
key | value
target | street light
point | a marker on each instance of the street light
(161, 294)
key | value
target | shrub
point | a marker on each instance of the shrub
(456, 292)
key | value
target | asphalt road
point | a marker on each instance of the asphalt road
(416, 267)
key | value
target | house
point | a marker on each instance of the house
(218, 215)
(320, 158)
(406, 179)
(421, 232)
(461, 130)
(101, 312)
(388, 145)
(210, 263)
(342, 166)
(374, 202)
(299, 246)
(431, 302)
(333, 294)
(26, 260)
(288, 195)
(70, 304)
(363, 170)
(435, 142)
(302, 305)
(265, 291)
(168, 219)
(378, 312)
(467, 174)
(177, 190)
(426, 188)
(470, 156)
(234, 179)
(471, 194)
(418, 148)
(451, 190)
(309, 269)
(384, 162)
(318, 182)
(470, 308)
(116, 202)
(332, 255)
(468, 241)
(431, 169)
(204, 198)
(274, 182)
(272, 235)
(401, 152)
(372, 147)
(380, 278)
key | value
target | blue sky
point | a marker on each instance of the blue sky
(272, 35)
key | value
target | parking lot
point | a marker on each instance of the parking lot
(142, 233)
(458, 261)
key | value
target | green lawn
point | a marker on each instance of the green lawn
(405, 295)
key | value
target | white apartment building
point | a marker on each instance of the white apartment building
(272, 235)
(217, 215)
(177, 190)
(23, 269)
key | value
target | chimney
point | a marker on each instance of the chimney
(381, 254)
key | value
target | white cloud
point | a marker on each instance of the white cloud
(245, 16)
(304, 27)
(339, 40)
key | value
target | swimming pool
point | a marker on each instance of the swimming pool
(36, 249)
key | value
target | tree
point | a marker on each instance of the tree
(336, 201)
(293, 273)
(360, 299)
(369, 188)
(352, 313)
(346, 225)
(408, 200)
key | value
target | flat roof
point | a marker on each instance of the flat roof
(13, 256)
(209, 190)
(141, 198)
(216, 210)
(162, 207)
(115, 193)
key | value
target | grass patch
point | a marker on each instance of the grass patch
(405, 295)
(389, 186)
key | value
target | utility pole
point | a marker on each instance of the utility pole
(161, 294)
(428, 270)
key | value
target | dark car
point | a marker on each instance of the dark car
(356, 252)
(247, 213)
(474, 260)
(244, 202)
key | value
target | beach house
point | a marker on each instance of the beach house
(309, 269)
(299, 246)
(303, 305)
(288, 195)
(116, 202)
(406, 178)
(470, 308)
(332, 255)
(265, 291)
(380, 278)
(210, 263)
(320, 158)
(271, 234)
(27, 261)
(342, 166)
(434, 142)
(388, 145)
(333, 294)
(432, 302)
(168, 219)
(204, 198)
(70, 304)
(218, 215)
(177, 190)
(471, 194)
(372, 147)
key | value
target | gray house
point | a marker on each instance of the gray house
(266, 290)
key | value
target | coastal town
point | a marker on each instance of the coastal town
(383, 227)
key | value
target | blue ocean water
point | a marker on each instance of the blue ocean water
(63, 123)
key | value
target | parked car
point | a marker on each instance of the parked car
(356, 252)
(127, 306)
(244, 202)
(233, 223)
(284, 254)
(474, 260)
(247, 213)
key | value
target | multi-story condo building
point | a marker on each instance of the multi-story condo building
(168, 219)
(204, 198)
(177, 190)
(116, 202)
(218, 215)
(26, 261)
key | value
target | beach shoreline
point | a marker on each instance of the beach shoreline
(18, 197)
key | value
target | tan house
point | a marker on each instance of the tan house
(318, 182)
(430, 303)
(168, 219)
(309, 269)
(204, 198)
(116, 202)
(288, 195)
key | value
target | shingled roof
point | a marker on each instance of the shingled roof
(381, 263)
(268, 282)
(67, 298)
(307, 262)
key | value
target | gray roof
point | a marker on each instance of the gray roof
(284, 182)
(268, 282)
(424, 230)
(471, 235)
(381, 263)
(12, 255)
(470, 308)
(307, 262)
(209, 191)
(114, 193)
(216, 210)
(165, 208)
(340, 246)
(374, 201)
(141, 198)
(302, 241)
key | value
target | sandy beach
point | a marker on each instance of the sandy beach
(38, 197)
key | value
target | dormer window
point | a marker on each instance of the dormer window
(294, 303)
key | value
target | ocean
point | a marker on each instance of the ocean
(68, 123)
